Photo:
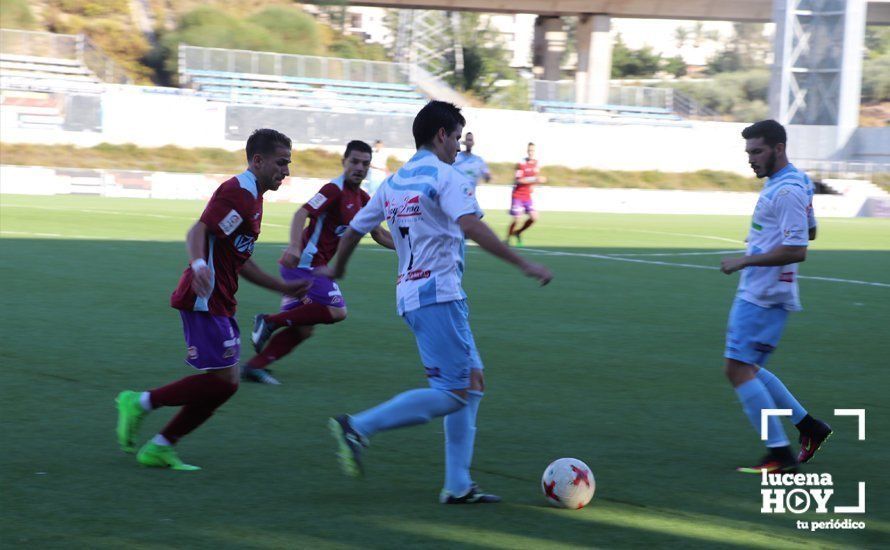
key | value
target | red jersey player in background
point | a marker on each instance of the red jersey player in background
(329, 213)
(528, 173)
(219, 246)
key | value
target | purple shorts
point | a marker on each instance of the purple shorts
(323, 290)
(519, 206)
(213, 341)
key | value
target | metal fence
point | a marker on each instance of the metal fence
(70, 47)
(102, 65)
(634, 96)
(40, 44)
(192, 58)
(843, 169)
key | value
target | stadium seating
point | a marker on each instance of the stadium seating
(570, 112)
(295, 91)
(20, 72)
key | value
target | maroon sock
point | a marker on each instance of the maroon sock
(528, 223)
(307, 314)
(216, 392)
(282, 343)
(191, 389)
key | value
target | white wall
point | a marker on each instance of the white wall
(154, 117)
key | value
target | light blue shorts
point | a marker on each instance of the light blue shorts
(753, 332)
(446, 344)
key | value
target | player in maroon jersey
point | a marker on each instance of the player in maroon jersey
(329, 213)
(219, 246)
(528, 173)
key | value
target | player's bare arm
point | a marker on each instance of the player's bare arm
(257, 276)
(348, 242)
(195, 243)
(481, 234)
(291, 256)
(383, 237)
(781, 255)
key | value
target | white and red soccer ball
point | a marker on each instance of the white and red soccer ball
(568, 483)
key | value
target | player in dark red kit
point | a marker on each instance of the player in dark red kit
(528, 173)
(219, 246)
(329, 213)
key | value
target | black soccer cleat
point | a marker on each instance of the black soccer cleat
(262, 331)
(350, 444)
(473, 496)
(813, 433)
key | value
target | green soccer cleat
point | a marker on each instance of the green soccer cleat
(162, 456)
(130, 415)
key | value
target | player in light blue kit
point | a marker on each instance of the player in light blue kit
(430, 207)
(472, 166)
(781, 228)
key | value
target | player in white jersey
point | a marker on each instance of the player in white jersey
(781, 228)
(430, 207)
(472, 166)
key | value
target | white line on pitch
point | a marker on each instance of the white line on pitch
(691, 266)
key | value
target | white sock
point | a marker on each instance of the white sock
(145, 401)
(161, 440)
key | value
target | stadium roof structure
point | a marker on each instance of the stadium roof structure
(719, 10)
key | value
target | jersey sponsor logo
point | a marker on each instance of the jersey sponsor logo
(408, 209)
(316, 201)
(231, 222)
(414, 275)
(787, 277)
(756, 225)
(244, 244)
(192, 352)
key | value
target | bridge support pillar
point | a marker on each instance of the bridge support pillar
(594, 59)
(549, 45)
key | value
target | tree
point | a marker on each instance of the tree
(486, 71)
(627, 62)
(746, 49)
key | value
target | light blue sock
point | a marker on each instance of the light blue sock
(460, 437)
(407, 409)
(754, 397)
(780, 394)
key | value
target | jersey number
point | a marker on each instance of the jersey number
(403, 231)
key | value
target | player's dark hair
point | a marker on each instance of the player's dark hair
(357, 145)
(771, 131)
(468, 134)
(435, 115)
(264, 141)
(530, 143)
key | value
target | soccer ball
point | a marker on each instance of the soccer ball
(568, 483)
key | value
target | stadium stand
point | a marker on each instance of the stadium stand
(298, 81)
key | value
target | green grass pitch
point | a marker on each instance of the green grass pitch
(617, 363)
